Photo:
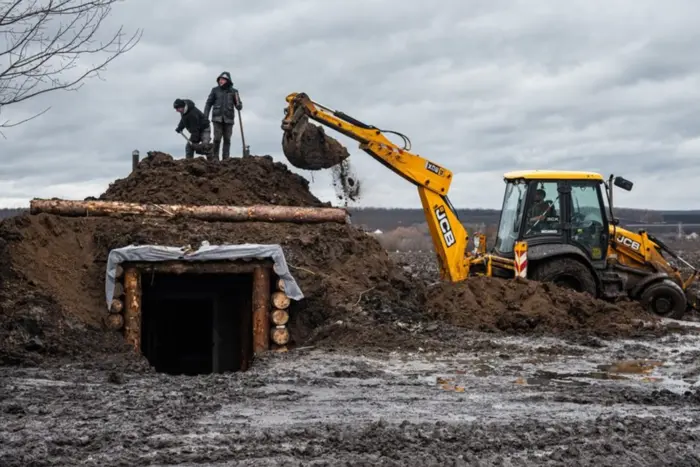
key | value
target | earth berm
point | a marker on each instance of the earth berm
(404, 371)
(52, 273)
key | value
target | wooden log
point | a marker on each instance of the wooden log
(117, 306)
(261, 307)
(114, 322)
(118, 289)
(262, 213)
(201, 267)
(132, 312)
(280, 300)
(280, 335)
(280, 285)
(279, 317)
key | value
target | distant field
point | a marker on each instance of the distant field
(390, 219)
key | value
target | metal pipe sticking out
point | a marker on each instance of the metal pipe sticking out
(135, 156)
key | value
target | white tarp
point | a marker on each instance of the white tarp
(205, 253)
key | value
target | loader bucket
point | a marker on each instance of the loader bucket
(306, 146)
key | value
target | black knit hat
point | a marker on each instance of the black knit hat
(179, 104)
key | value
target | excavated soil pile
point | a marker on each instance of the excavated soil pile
(52, 272)
(525, 307)
(243, 181)
(52, 268)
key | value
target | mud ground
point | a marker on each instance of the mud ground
(478, 399)
(500, 401)
(389, 367)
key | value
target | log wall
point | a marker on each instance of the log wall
(270, 310)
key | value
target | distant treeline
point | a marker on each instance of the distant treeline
(4, 212)
(389, 219)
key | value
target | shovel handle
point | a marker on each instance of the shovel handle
(240, 124)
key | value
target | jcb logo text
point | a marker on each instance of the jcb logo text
(628, 242)
(445, 226)
(434, 168)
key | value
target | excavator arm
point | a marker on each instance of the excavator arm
(449, 236)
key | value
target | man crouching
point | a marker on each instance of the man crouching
(197, 124)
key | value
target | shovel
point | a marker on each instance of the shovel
(246, 149)
(200, 148)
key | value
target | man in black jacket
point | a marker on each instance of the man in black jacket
(196, 123)
(224, 100)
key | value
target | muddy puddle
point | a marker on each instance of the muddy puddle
(523, 402)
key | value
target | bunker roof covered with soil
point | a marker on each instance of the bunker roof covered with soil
(52, 270)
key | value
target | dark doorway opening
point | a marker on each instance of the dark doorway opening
(197, 323)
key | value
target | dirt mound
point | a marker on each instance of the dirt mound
(52, 272)
(526, 307)
(160, 179)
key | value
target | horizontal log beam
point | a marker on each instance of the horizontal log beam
(200, 267)
(261, 213)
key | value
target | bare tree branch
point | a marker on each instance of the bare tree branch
(45, 46)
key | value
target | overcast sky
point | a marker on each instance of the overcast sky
(481, 87)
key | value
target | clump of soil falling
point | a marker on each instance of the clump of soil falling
(345, 182)
(52, 272)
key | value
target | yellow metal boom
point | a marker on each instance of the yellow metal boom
(433, 181)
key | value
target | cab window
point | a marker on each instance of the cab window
(511, 216)
(542, 215)
(587, 218)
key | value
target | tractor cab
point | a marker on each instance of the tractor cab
(554, 212)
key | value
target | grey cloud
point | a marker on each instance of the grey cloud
(479, 87)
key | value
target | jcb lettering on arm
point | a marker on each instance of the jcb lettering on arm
(445, 226)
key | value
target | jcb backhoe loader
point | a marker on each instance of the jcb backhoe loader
(554, 225)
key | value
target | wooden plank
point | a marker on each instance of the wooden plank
(200, 267)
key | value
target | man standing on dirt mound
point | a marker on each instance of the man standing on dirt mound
(224, 100)
(193, 120)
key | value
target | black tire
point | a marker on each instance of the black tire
(665, 299)
(566, 272)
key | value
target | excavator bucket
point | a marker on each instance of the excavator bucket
(306, 146)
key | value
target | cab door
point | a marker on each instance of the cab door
(587, 224)
(542, 219)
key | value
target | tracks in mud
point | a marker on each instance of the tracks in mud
(505, 401)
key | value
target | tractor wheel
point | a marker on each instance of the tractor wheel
(665, 299)
(568, 273)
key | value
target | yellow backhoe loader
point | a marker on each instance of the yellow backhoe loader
(554, 225)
